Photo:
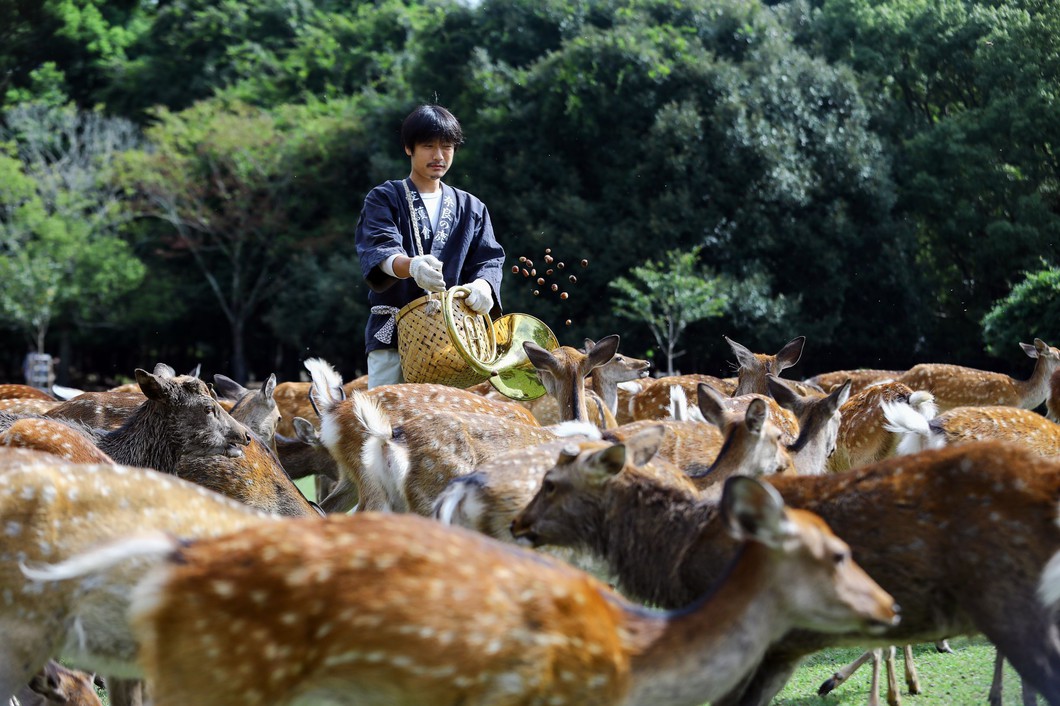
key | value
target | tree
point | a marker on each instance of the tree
(1031, 310)
(668, 295)
(61, 254)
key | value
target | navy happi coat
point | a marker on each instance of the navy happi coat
(464, 242)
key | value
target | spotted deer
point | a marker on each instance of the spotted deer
(958, 386)
(292, 398)
(55, 685)
(50, 436)
(963, 424)
(859, 379)
(863, 435)
(469, 620)
(344, 434)
(653, 402)
(666, 545)
(753, 367)
(53, 511)
(10, 391)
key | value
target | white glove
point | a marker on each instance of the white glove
(480, 296)
(427, 271)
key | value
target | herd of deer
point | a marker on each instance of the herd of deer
(153, 532)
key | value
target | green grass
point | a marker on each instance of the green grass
(945, 679)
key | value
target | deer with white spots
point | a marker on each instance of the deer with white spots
(994, 569)
(343, 433)
(860, 379)
(11, 391)
(963, 424)
(419, 614)
(562, 372)
(50, 436)
(50, 512)
(653, 401)
(959, 386)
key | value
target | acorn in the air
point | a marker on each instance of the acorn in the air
(515, 269)
(573, 279)
(568, 322)
(536, 292)
(555, 288)
(540, 280)
(563, 295)
(585, 263)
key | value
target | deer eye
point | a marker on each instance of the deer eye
(840, 558)
(548, 487)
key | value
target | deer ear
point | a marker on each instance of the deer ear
(841, 394)
(711, 404)
(756, 415)
(269, 387)
(604, 350)
(305, 431)
(754, 511)
(227, 388)
(608, 462)
(164, 371)
(744, 356)
(645, 444)
(541, 359)
(782, 393)
(154, 387)
(791, 352)
(1032, 350)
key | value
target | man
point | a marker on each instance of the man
(448, 241)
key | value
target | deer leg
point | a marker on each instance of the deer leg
(943, 646)
(764, 683)
(324, 486)
(1029, 695)
(912, 679)
(125, 692)
(1032, 644)
(874, 683)
(843, 674)
(996, 686)
(894, 697)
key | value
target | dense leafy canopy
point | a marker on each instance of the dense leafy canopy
(874, 175)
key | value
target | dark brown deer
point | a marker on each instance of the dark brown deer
(926, 526)
(55, 685)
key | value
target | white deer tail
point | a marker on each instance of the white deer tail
(1049, 586)
(680, 410)
(326, 391)
(384, 461)
(911, 424)
(924, 402)
(150, 545)
(461, 502)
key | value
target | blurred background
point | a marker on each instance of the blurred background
(180, 179)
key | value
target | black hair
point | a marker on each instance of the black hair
(431, 122)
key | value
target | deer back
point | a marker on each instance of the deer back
(24, 392)
(99, 410)
(27, 406)
(959, 386)
(53, 437)
(53, 511)
(292, 399)
(863, 435)
(653, 402)
(859, 379)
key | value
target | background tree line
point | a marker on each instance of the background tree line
(180, 181)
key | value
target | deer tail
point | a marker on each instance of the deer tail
(150, 545)
(910, 423)
(326, 391)
(384, 459)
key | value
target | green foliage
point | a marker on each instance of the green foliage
(61, 255)
(667, 295)
(1031, 310)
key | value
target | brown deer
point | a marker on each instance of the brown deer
(863, 435)
(751, 374)
(50, 436)
(653, 402)
(925, 526)
(963, 424)
(292, 399)
(562, 372)
(99, 410)
(343, 433)
(465, 619)
(859, 379)
(10, 391)
(53, 511)
(27, 406)
(256, 409)
(958, 386)
(55, 685)
(414, 462)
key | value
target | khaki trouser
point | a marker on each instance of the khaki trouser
(384, 368)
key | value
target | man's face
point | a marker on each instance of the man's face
(432, 159)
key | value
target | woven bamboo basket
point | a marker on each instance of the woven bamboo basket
(441, 340)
